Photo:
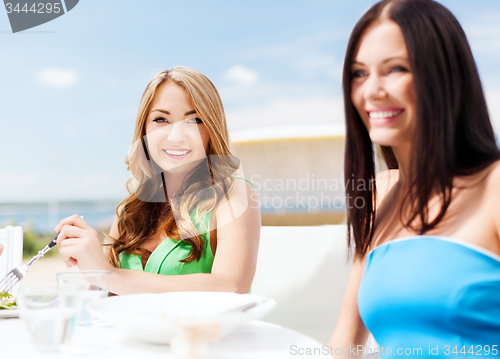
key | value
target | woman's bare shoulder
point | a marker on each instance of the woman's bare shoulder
(241, 199)
(492, 184)
(492, 195)
(494, 173)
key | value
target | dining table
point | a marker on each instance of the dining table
(254, 339)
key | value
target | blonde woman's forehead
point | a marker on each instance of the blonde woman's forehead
(172, 98)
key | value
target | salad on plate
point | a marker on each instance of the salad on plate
(7, 301)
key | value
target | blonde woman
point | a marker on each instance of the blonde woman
(189, 222)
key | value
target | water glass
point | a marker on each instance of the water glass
(49, 314)
(90, 285)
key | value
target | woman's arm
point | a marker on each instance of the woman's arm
(350, 330)
(234, 263)
(238, 233)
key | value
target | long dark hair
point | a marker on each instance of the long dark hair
(453, 133)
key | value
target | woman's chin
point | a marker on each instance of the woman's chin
(180, 168)
(390, 137)
(383, 143)
(388, 140)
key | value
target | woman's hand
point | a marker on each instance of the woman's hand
(79, 244)
(1, 248)
(350, 330)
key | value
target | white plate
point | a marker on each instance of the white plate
(151, 317)
(9, 313)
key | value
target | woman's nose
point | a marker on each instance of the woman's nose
(374, 88)
(177, 132)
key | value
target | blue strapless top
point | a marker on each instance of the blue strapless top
(435, 293)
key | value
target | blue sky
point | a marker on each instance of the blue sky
(69, 89)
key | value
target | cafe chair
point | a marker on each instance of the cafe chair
(305, 268)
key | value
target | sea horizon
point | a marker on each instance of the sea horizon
(43, 216)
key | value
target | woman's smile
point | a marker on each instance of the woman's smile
(383, 116)
(177, 153)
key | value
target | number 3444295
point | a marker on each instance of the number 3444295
(473, 350)
(40, 8)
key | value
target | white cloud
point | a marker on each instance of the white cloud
(241, 75)
(57, 77)
(288, 112)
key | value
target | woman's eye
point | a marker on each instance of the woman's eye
(160, 120)
(195, 120)
(358, 73)
(399, 69)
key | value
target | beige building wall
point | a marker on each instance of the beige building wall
(299, 179)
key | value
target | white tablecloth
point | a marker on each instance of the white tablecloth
(255, 339)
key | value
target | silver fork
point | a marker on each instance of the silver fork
(15, 275)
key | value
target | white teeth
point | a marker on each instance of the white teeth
(176, 153)
(384, 114)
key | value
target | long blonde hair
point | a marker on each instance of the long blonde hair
(148, 212)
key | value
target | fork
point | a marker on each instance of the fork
(15, 275)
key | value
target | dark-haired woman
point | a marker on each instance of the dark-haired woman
(426, 274)
(189, 222)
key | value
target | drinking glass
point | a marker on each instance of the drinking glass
(90, 285)
(49, 314)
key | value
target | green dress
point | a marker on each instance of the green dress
(165, 258)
